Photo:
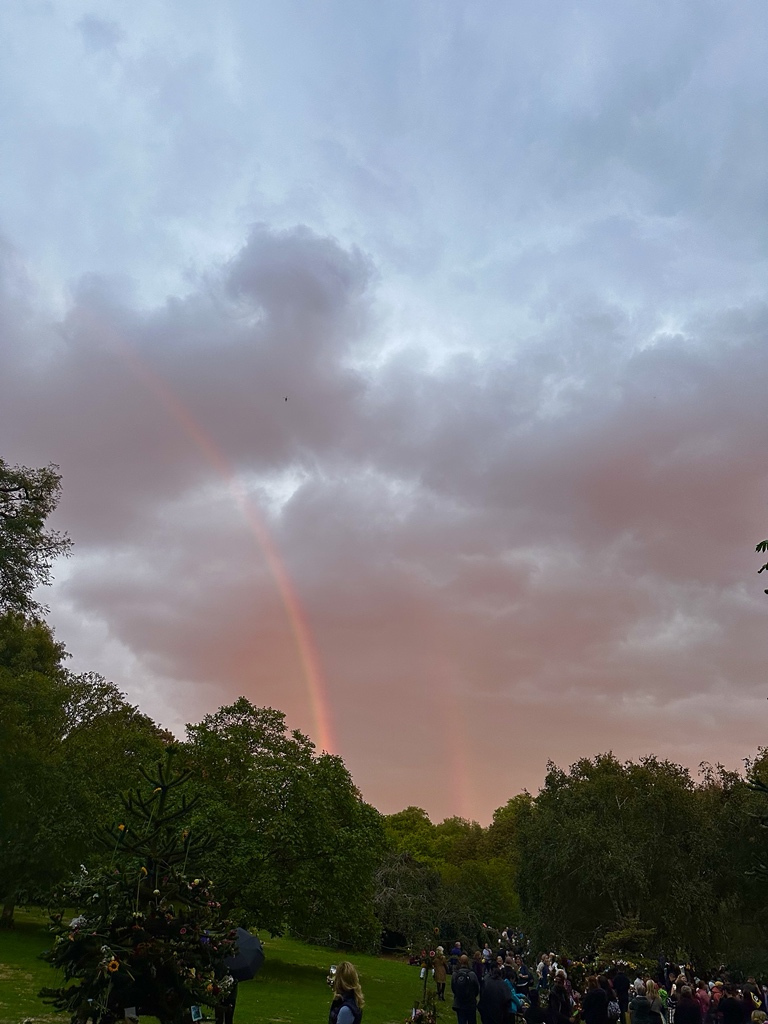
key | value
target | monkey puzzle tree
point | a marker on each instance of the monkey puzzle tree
(149, 938)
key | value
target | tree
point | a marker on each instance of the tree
(298, 845)
(474, 883)
(64, 740)
(608, 843)
(33, 787)
(407, 901)
(149, 937)
(27, 549)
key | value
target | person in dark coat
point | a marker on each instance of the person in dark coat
(466, 989)
(454, 956)
(495, 999)
(688, 1009)
(535, 1013)
(621, 986)
(559, 1009)
(594, 1005)
(523, 985)
(732, 1009)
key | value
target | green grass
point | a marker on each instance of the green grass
(290, 989)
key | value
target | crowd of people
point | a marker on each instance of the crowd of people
(499, 986)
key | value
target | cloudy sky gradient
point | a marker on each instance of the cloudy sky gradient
(507, 262)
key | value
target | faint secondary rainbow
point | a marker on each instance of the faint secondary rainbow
(309, 657)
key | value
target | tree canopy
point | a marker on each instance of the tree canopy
(27, 547)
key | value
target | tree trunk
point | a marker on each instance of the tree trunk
(6, 918)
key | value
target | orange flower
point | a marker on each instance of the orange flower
(121, 828)
(113, 965)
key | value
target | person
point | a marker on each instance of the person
(731, 1009)
(542, 971)
(658, 1015)
(534, 1012)
(454, 957)
(702, 995)
(716, 995)
(614, 1011)
(559, 1009)
(495, 999)
(225, 1011)
(523, 976)
(594, 1005)
(440, 968)
(751, 994)
(466, 989)
(640, 1007)
(510, 979)
(621, 985)
(478, 966)
(348, 1002)
(687, 1009)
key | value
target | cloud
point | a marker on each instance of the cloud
(501, 549)
(508, 269)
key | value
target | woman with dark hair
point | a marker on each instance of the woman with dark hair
(594, 1005)
(614, 1010)
(510, 977)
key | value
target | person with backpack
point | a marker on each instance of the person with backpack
(466, 989)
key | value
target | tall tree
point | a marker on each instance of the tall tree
(609, 842)
(64, 740)
(33, 850)
(297, 844)
(27, 548)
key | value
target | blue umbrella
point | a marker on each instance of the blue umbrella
(245, 964)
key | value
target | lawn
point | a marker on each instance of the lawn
(290, 989)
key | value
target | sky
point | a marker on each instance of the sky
(405, 363)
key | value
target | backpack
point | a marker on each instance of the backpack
(462, 986)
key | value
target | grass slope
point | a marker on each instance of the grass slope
(290, 989)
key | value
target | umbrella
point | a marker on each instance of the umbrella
(245, 964)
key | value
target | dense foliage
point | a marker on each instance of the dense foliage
(27, 548)
(298, 847)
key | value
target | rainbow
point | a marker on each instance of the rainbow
(309, 657)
